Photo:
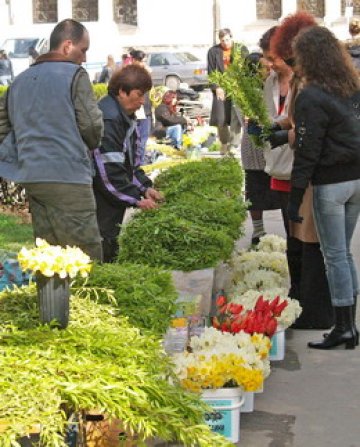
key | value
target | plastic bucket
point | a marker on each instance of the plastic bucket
(248, 405)
(277, 351)
(225, 418)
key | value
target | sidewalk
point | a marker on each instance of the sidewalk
(312, 398)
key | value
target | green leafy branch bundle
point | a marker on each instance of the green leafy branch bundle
(98, 362)
(145, 295)
(245, 88)
(197, 225)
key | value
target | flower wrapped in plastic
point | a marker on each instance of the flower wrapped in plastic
(52, 259)
(222, 360)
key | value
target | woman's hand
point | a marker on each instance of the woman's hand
(154, 195)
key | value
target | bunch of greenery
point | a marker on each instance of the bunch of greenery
(99, 362)
(3, 89)
(145, 295)
(197, 225)
(100, 90)
(208, 179)
(245, 88)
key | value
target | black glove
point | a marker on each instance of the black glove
(275, 127)
(278, 138)
(253, 128)
(295, 200)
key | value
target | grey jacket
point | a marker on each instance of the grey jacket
(59, 122)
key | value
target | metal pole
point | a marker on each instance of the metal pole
(216, 20)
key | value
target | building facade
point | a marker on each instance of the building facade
(118, 24)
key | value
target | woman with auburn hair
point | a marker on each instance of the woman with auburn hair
(306, 264)
(327, 154)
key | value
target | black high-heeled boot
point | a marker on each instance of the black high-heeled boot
(343, 332)
(354, 320)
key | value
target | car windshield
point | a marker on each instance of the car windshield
(18, 48)
(186, 57)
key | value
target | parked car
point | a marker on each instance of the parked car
(171, 69)
(17, 49)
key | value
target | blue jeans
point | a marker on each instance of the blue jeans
(144, 127)
(336, 211)
(175, 134)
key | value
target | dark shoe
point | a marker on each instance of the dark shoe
(326, 335)
(255, 241)
(343, 332)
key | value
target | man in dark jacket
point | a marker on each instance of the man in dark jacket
(48, 122)
(119, 181)
(222, 113)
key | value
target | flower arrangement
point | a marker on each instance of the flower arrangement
(198, 136)
(261, 319)
(250, 261)
(285, 314)
(271, 243)
(50, 260)
(260, 280)
(220, 360)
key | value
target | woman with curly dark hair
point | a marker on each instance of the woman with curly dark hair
(327, 155)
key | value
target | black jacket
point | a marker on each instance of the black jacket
(327, 148)
(118, 175)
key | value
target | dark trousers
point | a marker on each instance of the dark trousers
(110, 217)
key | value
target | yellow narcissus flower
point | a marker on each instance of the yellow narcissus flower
(52, 259)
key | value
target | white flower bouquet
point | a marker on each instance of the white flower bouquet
(271, 243)
(50, 260)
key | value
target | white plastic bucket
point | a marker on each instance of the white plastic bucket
(248, 405)
(277, 351)
(225, 419)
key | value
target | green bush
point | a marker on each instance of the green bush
(145, 295)
(98, 362)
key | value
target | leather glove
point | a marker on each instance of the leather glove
(278, 138)
(253, 128)
(295, 200)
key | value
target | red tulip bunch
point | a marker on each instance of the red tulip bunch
(232, 317)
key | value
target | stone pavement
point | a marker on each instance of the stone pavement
(312, 398)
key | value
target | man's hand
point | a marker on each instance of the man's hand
(153, 194)
(220, 94)
(147, 204)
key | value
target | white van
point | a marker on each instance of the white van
(17, 49)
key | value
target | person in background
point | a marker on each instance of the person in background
(168, 122)
(54, 122)
(306, 264)
(6, 70)
(353, 44)
(327, 154)
(257, 182)
(119, 181)
(144, 114)
(107, 70)
(223, 115)
(33, 55)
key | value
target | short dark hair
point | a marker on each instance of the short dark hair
(264, 42)
(138, 55)
(68, 29)
(224, 32)
(131, 77)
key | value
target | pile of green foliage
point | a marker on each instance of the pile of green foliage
(197, 225)
(145, 295)
(98, 362)
(99, 90)
(245, 88)
(14, 234)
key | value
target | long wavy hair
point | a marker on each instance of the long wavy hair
(323, 60)
(281, 41)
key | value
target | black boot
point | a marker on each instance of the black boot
(354, 320)
(294, 260)
(343, 332)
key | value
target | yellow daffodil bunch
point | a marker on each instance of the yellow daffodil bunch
(220, 360)
(198, 136)
(52, 259)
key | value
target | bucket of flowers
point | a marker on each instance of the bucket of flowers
(222, 366)
(53, 267)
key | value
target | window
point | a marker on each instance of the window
(268, 9)
(354, 3)
(125, 11)
(315, 7)
(85, 10)
(45, 11)
(158, 59)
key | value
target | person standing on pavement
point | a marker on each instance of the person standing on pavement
(119, 181)
(327, 154)
(223, 115)
(53, 118)
(6, 69)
